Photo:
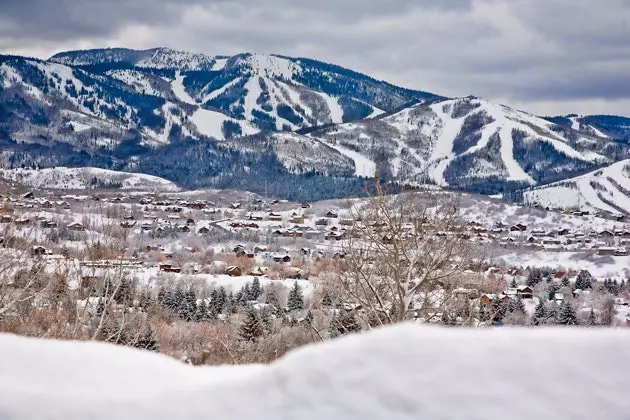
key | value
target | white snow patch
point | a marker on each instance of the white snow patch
(495, 373)
(363, 166)
(180, 91)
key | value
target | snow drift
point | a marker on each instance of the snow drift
(402, 372)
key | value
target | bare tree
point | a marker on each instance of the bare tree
(404, 256)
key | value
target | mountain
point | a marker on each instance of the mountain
(85, 178)
(470, 143)
(294, 127)
(606, 189)
(611, 126)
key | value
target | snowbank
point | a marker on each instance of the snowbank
(403, 372)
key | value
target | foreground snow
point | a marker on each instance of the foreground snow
(403, 372)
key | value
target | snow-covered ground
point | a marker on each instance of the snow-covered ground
(421, 373)
(81, 178)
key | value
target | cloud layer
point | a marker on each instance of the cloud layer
(547, 56)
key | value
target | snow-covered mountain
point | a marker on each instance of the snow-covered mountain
(470, 143)
(606, 189)
(86, 178)
(232, 121)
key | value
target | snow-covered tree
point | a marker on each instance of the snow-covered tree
(540, 315)
(252, 326)
(296, 298)
(256, 290)
(567, 315)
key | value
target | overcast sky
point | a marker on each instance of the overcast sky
(544, 56)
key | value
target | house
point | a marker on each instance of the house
(281, 258)
(127, 224)
(22, 221)
(146, 227)
(38, 251)
(6, 218)
(297, 219)
(260, 248)
(489, 299)
(255, 217)
(183, 228)
(169, 268)
(519, 227)
(76, 226)
(305, 205)
(334, 236)
(203, 230)
(275, 217)
(233, 271)
(29, 195)
(606, 234)
(235, 206)
(559, 298)
(190, 222)
(620, 252)
(563, 232)
(525, 292)
(346, 222)
(48, 224)
(606, 250)
(331, 214)
(258, 271)
(321, 222)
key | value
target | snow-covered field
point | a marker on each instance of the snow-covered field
(605, 189)
(81, 178)
(421, 373)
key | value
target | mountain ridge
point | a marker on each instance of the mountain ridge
(133, 110)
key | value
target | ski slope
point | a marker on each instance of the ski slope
(422, 373)
(605, 189)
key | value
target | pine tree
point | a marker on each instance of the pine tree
(201, 314)
(256, 290)
(567, 315)
(266, 319)
(326, 299)
(566, 282)
(516, 306)
(551, 313)
(252, 326)
(540, 314)
(246, 294)
(513, 284)
(343, 323)
(583, 282)
(498, 310)
(592, 320)
(148, 341)
(296, 298)
(271, 299)
(534, 277)
(222, 298)
(124, 292)
(230, 304)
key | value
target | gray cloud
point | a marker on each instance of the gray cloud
(556, 55)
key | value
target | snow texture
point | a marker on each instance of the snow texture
(402, 372)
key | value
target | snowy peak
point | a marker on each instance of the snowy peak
(471, 143)
(155, 58)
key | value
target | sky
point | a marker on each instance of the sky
(545, 56)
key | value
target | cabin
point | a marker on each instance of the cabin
(183, 228)
(28, 196)
(606, 234)
(346, 222)
(127, 224)
(519, 227)
(22, 221)
(233, 271)
(331, 214)
(275, 217)
(620, 252)
(255, 217)
(235, 206)
(169, 268)
(525, 292)
(203, 230)
(48, 224)
(321, 222)
(76, 226)
(38, 251)
(297, 219)
(305, 205)
(282, 258)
